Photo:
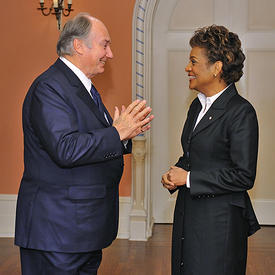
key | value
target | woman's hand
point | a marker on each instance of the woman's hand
(176, 176)
(167, 183)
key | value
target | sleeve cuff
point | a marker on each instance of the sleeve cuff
(188, 180)
(125, 142)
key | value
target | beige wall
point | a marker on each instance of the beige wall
(28, 48)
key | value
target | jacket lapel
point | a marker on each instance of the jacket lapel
(192, 118)
(217, 109)
(86, 98)
(82, 92)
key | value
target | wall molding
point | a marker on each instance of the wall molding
(7, 215)
(264, 208)
(124, 218)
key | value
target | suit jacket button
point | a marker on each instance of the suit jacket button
(181, 264)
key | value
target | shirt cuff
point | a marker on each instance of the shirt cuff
(125, 142)
(188, 180)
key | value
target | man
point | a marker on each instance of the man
(67, 208)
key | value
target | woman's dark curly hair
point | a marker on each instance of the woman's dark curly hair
(221, 45)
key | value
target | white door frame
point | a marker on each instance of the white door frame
(141, 221)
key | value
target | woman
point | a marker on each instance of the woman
(213, 214)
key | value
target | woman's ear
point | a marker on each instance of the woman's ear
(218, 68)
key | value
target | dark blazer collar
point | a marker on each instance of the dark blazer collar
(224, 98)
(82, 92)
(70, 75)
(216, 110)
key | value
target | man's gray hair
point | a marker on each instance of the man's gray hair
(77, 28)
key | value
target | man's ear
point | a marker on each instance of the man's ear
(78, 46)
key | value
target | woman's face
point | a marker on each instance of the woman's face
(201, 73)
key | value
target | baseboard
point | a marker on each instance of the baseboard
(7, 215)
(264, 209)
(124, 218)
(8, 208)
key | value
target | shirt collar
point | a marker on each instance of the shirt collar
(82, 77)
(210, 100)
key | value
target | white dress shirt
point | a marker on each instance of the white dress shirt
(82, 77)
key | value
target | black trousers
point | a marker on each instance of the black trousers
(34, 262)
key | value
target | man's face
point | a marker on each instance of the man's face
(96, 50)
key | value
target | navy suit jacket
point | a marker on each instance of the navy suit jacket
(68, 197)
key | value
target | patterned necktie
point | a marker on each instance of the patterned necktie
(97, 99)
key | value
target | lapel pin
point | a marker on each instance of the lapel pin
(210, 117)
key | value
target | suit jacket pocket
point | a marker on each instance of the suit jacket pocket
(91, 206)
(86, 192)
